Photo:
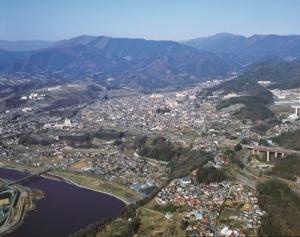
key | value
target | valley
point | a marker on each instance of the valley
(151, 137)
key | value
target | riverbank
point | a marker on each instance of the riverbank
(92, 189)
(93, 183)
(69, 200)
(83, 180)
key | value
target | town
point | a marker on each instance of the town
(99, 139)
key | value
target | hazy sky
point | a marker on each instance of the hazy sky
(151, 19)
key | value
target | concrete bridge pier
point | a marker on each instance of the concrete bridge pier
(276, 150)
(255, 152)
(297, 108)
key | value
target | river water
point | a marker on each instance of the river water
(65, 208)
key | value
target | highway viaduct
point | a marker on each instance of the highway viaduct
(276, 150)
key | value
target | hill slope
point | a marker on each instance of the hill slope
(254, 98)
(281, 74)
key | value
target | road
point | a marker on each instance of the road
(16, 213)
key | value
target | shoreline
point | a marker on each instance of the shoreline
(88, 188)
(71, 182)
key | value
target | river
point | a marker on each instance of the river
(65, 208)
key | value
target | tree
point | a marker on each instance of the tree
(282, 205)
(263, 142)
(229, 154)
(210, 174)
(238, 147)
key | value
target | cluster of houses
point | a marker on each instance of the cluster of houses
(155, 112)
(205, 205)
(203, 202)
(182, 116)
(243, 214)
(106, 161)
(65, 124)
(33, 96)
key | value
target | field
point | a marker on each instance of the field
(155, 223)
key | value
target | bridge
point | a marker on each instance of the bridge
(26, 178)
(276, 150)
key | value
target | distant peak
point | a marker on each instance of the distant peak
(225, 34)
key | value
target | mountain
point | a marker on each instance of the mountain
(281, 74)
(33, 45)
(133, 62)
(247, 50)
(24, 45)
(82, 39)
(253, 100)
(219, 43)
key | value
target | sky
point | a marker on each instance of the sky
(149, 19)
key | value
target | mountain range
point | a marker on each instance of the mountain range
(247, 50)
(24, 45)
(133, 62)
(146, 63)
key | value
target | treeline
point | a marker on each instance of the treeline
(92, 229)
(32, 139)
(81, 140)
(262, 128)
(286, 167)
(125, 226)
(10, 94)
(182, 160)
(163, 110)
(254, 109)
(169, 207)
(231, 156)
(11, 102)
(283, 209)
(74, 98)
(289, 139)
(282, 74)
(285, 75)
(210, 174)
(254, 97)
(158, 148)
